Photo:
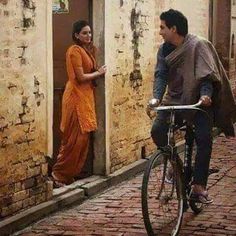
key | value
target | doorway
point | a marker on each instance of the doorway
(220, 21)
(63, 20)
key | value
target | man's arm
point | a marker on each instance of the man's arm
(160, 76)
(206, 90)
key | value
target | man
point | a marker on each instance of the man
(190, 66)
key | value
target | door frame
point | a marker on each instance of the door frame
(101, 164)
(49, 81)
(217, 25)
(97, 20)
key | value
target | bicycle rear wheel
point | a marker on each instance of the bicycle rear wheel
(162, 200)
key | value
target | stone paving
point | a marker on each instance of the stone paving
(117, 211)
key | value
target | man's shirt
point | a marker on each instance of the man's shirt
(161, 79)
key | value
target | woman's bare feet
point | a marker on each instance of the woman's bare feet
(56, 183)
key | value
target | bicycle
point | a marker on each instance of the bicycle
(165, 198)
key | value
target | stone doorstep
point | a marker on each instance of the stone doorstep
(75, 193)
(77, 184)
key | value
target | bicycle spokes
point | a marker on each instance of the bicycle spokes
(161, 197)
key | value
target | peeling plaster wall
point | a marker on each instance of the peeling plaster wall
(131, 42)
(197, 12)
(23, 110)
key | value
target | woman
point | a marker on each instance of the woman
(78, 105)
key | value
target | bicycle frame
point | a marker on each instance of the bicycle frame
(189, 142)
(175, 189)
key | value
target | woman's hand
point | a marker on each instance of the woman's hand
(102, 70)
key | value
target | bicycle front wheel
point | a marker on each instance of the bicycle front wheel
(162, 196)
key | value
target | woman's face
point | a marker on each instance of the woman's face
(84, 35)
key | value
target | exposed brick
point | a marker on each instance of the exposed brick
(33, 171)
(6, 211)
(29, 183)
(7, 200)
(40, 197)
(18, 187)
(35, 190)
(19, 196)
(49, 192)
(44, 169)
(29, 202)
(22, 112)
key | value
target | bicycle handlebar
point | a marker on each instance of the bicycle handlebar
(178, 107)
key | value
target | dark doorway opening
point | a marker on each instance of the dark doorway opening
(62, 27)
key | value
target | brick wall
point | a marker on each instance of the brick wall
(23, 121)
(132, 39)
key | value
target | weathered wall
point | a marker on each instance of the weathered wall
(23, 110)
(224, 33)
(222, 30)
(232, 53)
(99, 162)
(131, 39)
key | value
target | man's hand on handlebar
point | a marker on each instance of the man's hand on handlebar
(152, 103)
(206, 101)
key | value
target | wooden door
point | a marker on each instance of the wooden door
(62, 39)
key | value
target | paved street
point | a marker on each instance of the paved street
(117, 211)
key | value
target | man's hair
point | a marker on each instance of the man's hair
(175, 18)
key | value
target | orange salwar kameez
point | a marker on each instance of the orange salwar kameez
(78, 116)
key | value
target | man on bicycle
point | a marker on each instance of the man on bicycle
(190, 66)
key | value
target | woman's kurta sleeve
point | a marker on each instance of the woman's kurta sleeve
(76, 60)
